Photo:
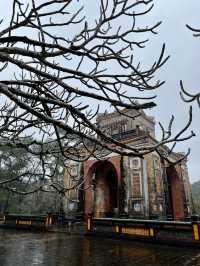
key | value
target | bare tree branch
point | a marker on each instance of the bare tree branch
(60, 70)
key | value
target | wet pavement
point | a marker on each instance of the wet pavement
(60, 249)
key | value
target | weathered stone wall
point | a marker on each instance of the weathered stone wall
(136, 191)
(73, 172)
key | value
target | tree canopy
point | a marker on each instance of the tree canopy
(59, 70)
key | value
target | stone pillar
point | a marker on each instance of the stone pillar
(145, 188)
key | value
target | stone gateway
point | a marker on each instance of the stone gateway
(122, 186)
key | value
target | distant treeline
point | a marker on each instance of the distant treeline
(15, 165)
(196, 196)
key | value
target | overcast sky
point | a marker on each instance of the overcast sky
(184, 64)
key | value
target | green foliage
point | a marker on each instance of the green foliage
(13, 163)
(196, 196)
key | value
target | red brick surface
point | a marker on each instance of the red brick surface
(177, 193)
(103, 198)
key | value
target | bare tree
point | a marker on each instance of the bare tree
(185, 94)
(62, 70)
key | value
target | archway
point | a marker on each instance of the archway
(103, 193)
(175, 200)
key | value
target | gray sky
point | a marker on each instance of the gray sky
(184, 64)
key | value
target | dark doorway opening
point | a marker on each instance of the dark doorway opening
(169, 205)
(105, 191)
(113, 192)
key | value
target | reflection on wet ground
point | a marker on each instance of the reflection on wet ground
(59, 249)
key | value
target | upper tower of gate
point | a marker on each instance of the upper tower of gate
(126, 124)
